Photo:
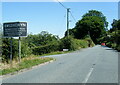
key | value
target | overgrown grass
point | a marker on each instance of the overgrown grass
(0, 72)
(35, 59)
(30, 61)
(26, 63)
(54, 53)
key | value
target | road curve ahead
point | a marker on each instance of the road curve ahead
(91, 65)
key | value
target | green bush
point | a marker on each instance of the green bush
(90, 42)
(46, 48)
(113, 45)
(25, 50)
(81, 43)
(109, 44)
(68, 43)
(73, 44)
(118, 48)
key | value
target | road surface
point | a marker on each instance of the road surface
(91, 65)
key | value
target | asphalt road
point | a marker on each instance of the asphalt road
(91, 65)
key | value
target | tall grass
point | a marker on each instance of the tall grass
(26, 63)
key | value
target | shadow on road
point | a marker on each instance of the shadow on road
(109, 49)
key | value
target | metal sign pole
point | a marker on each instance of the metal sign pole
(11, 51)
(19, 43)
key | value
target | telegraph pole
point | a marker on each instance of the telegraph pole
(67, 16)
(68, 21)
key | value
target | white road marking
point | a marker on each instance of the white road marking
(88, 75)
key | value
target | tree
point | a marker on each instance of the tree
(114, 25)
(92, 24)
(115, 29)
(40, 39)
(98, 14)
(113, 39)
(118, 24)
(71, 32)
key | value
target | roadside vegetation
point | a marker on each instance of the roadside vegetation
(88, 31)
(93, 25)
(26, 63)
(112, 39)
(35, 46)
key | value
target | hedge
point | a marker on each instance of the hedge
(73, 44)
(65, 43)
(45, 49)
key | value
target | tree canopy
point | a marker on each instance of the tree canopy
(113, 38)
(42, 38)
(92, 24)
(98, 14)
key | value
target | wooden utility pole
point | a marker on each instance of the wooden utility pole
(68, 21)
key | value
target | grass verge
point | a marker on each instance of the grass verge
(26, 63)
(54, 53)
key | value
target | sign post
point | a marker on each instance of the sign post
(11, 51)
(15, 29)
(19, 49)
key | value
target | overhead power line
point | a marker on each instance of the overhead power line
(68, 11)
(67, 17)
(62, 5)
(72, 16)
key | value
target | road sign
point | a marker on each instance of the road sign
(15, 29)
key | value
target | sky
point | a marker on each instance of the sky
(60, 0)
(51, 16)
(119, 10)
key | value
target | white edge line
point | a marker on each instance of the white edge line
(88, 75)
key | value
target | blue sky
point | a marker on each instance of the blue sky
(60, 0)
(51, 16)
